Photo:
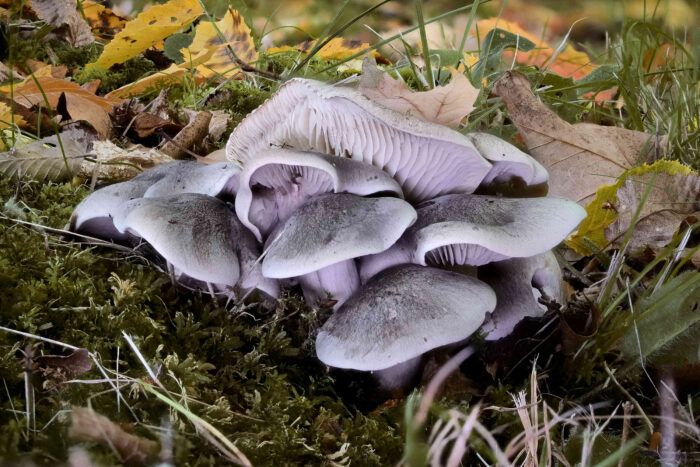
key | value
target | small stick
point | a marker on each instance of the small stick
(626, 422)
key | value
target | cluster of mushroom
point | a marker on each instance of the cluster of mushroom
(369, 210)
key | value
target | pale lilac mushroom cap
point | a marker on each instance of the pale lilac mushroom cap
(519, 283)
(402, 313)
(200, 236)
(426, 159)
(278, 181)
(93, 216)
(220, 179)
(508, 161)
(475, 230)
(328, 230)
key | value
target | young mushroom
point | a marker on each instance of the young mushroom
(318, 243)
(519, 283)
(400, 314)
(277, 182)
(200, 237)
(475, 230)
(427, 159)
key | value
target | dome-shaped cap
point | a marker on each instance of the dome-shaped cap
(402, 313)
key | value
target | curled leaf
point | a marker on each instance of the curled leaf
(446, 105)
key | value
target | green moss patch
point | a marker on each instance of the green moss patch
(248, 371)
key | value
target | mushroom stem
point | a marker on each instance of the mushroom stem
(339, 281)
(398, 376)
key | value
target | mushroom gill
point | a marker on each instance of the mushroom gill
(426, 159)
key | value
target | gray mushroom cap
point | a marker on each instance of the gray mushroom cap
(319, 241)
(426, 159)
(519, 283)
(200, 236)
(475, 230)
(508, 161)
(93, 216)
(400, 314)
(277, 182)
(219, 179)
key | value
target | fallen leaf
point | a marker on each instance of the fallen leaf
(145, 124)
(72, 365)
(194, 132)
(116, 164)
(64, 12)
(236, 36)
(580, 157)
(87, 425)
(149, 28)
(9, 118)
(673, 198)
(220, 120)
(568, 62)
(104, 22)
(79, 104)
(173, 75)
(339, 48)
(44, 159)
(446, 105)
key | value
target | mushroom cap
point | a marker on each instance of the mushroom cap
(195, 177)
(402, 313)
(194, 232)
(200, 236)
(508, 161)
(426, 159)
(331, 228)
(475, 230)
(93, 216)
(284, 179)
(519, 283)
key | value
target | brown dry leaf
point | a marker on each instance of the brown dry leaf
(672, 200)
(145, 124)
(72, 365)
(194, 132)
(581, 157)
(64, 12)
(87, 425)
(116, 164)
(69, 99)
(55, 370)
(446, 105)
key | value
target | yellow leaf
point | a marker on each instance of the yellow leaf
(149, 28)
(340, 48)
(8, 118)
(568, 63)
(104, 22)
(590, 235)
(236, 36)
(174, 74)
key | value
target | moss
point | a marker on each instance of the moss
(119, 75)
(251, 374)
